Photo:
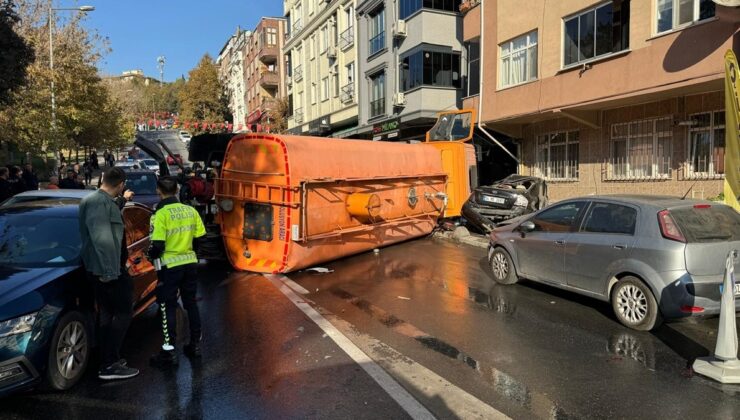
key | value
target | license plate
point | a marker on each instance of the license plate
(496, 200)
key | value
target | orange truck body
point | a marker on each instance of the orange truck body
(297, 201)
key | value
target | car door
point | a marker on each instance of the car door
(540, 253)
(605, 238)
(136, 223)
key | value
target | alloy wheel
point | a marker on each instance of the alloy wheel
(500, 265)
(72, 350)
(632, 304)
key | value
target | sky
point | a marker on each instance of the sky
(139, 31)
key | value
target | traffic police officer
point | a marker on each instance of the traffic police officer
(175, 229)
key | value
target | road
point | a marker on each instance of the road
(417, 329)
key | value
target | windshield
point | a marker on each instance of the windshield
(142, 184)
(36, 240)
(451, 126)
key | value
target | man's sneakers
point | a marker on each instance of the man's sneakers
(164, 359)
(192, 350)
(117, 371)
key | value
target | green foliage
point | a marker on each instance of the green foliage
(16, 53)
(202, 96)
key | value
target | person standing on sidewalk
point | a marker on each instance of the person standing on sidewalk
(101, 231)
(175, 229)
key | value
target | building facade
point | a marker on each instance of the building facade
(411, 65)
(231, 62)
(264, 72)
(606, 97)
(322, 65)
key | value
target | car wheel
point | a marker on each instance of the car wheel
(502, 268)
(634, 304)
(69, 352)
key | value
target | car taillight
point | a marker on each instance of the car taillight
(702, 206)
(688, 309)
(669, 228)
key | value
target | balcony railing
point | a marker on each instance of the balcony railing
(642, 167)
(348, 93)
(298, 116)
(377, 43)
(269, 78)
(377, 108)
(298, 73)
(295, 28)
(269, 54)
(347, 38)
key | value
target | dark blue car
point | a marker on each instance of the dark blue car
(47, 315)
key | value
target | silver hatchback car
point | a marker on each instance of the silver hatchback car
(651, 257)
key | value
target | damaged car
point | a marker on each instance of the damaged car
(510, 197)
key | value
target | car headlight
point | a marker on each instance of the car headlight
(226, 204)
(17, 325)
(521, 201)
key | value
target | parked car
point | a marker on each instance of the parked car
(150, 164)
(184, 136)
(47, 312)
(144, 185)
(130, 164)
(510, 197)
(652, 257)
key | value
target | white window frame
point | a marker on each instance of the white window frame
(349, 16)
(325, 89)
(529, 45)
(324, 39)
(674, 20)
(713, 127)
(545, 169)
(655, 169)
(313, 93)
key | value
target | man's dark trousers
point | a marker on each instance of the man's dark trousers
(184, 279)
(114, 300)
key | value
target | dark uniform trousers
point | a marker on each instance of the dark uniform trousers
(171, 280)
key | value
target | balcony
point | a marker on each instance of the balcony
(298, 73)
(348, 93)
(294, 29)
(298, 116)
(268, 104)
(269, 54)
(269, 78)
(347, 38)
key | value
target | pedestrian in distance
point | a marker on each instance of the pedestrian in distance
(53, 183)
(175, 229)
(94, 160)
(17, 184)
(4, 184)
(104, 256)
(87, 169)
(80, 181)
(30, 178)
(70, 182)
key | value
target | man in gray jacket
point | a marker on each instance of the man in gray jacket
(104, 256)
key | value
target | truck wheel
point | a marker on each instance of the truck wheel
(502, 267)
(69, 352)
(634, 304)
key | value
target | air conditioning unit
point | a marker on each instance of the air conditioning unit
(399, 99)
(400, 31)
(331, 52)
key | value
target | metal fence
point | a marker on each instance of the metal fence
(348, 93)
(347, 38)
(638, 167)
(377, 107)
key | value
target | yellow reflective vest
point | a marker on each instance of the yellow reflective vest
(177, 224)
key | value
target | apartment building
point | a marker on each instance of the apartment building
(606, 97)
(411, 65)
(322, 66)
(264, 72)
(230, 63)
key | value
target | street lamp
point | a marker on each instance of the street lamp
(83, 9)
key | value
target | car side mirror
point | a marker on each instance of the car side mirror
(527, 226)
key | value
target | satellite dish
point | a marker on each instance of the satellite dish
(728, 3)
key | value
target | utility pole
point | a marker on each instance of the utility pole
(160, 66)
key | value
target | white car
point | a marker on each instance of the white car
(184, 136)
(150, 164)
(130, 164)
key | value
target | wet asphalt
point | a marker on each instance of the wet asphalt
(528, 350)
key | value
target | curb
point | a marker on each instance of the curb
(477, 241)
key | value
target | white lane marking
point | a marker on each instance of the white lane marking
(293, 285)
(389, 385)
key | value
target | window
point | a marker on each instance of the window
(324, 39)
(610, 218)
(560, 218)
(519, 60)
(325, 89)
(350, 68)
(430, 68)
(313, 93)
(377, 31)
(349, 17)
(596, 32)
(557, 155)
(377, 94)
(407, 8)
(271, 36)
(473, 49)
(672, 14)
(641, 149)
(707, 144)
(312, 47)
(336, 84)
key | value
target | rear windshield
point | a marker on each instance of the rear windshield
(142, 183)
(716, 223)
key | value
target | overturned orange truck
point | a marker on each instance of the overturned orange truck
(292, 202)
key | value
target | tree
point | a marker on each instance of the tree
(278, 116)
(202, 96)
(16, 53)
